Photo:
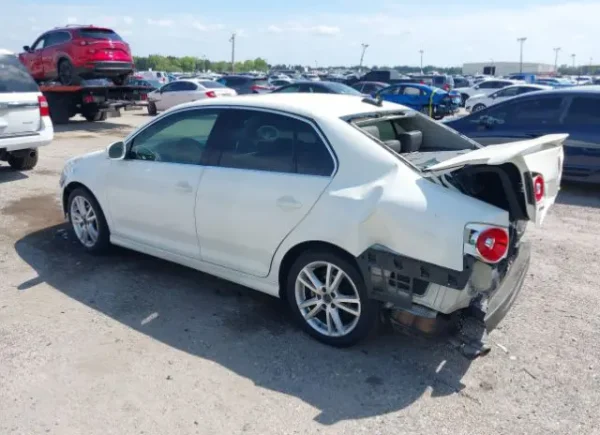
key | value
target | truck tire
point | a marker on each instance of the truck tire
(26, 159)
(94, 116)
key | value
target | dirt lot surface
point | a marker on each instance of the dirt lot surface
(129, 344)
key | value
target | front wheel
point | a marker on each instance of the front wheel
(328, 297)
(88, 221)
(477, 107)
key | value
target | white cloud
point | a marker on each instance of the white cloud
(127, 20)
(71, 20)
(160, 23)
(207, 27)
(326, 30)
(274, 29)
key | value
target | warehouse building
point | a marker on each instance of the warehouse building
(505, 68)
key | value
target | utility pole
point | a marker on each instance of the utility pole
(232, 40)
(590, 71)
(521, 41)
(573, 58)
(421, 51)
(362, 55)
(204, 59)
(556, 50)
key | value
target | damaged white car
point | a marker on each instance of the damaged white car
(345, 207)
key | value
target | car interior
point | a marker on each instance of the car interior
(417, 138)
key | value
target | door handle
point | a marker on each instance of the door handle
(288, 203)
(184, 186)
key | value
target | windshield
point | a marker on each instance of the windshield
(340, 88)
(14, 77)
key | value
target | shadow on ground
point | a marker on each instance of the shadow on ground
(244, 331)
(8, 174)
(583, 195)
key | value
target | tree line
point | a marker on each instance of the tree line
(191, 64)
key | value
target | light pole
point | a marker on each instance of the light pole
(362, 54)
(421, 51)
(556, 50)
(204, 58)
(232, 40)
(573, 58)
(521, 41)
(590, 71)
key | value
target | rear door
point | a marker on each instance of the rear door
(582, 148)
(53, 48)
(19, 106)
(268, 171)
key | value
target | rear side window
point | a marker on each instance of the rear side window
(14, 77)
(269, 142)
(260, 82)
(583, 111)
(107, 34)
(531, 112)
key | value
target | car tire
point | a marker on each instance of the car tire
(152, 110)
(66, 73)
(477, 108)
(90, 228)
(95, 116)
(24, 162)
(330, 317)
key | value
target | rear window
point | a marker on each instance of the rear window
(14, 77)
(340, 88)
(100, 34)
(209, 84)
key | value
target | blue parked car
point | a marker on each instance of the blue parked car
(429, 100)
(574, 110)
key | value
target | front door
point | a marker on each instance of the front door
(33, 59)
(167, 96)
(152, 192)
(268, 172)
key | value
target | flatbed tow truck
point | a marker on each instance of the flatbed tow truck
(93, 101)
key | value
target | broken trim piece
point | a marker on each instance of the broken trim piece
(395, 278)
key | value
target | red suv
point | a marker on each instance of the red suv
(74, 52)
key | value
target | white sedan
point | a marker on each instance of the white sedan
(343, 206)
(481, 101)
(185, 91)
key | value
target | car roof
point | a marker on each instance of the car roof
(592, 89)
(309, 105)
(78, 27)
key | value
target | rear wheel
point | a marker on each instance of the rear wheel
(152, 110)
(93, 116)
(328, 297)
(66, 73)
(478, 107)
(24, 160)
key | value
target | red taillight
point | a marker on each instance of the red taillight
(492, 244)
(43, 103)
(211, 94)
(88, 99)
(539, 188)
(446, 87)
(144, 97)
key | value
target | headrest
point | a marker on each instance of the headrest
(410, 141)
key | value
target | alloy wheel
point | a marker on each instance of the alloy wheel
(327, 299)
(84, 221)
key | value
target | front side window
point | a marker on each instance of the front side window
(263, 141)
(487, 85)
(391, 90)
(410, 90)
(177, 138)
(511, 92)
(538, 111)
(188, 86)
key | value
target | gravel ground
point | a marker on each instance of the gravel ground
(129, 344)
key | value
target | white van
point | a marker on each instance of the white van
(25, 123)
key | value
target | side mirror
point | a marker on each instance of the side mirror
(116, 151)
(27, 48)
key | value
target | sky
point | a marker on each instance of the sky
(327, 32)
